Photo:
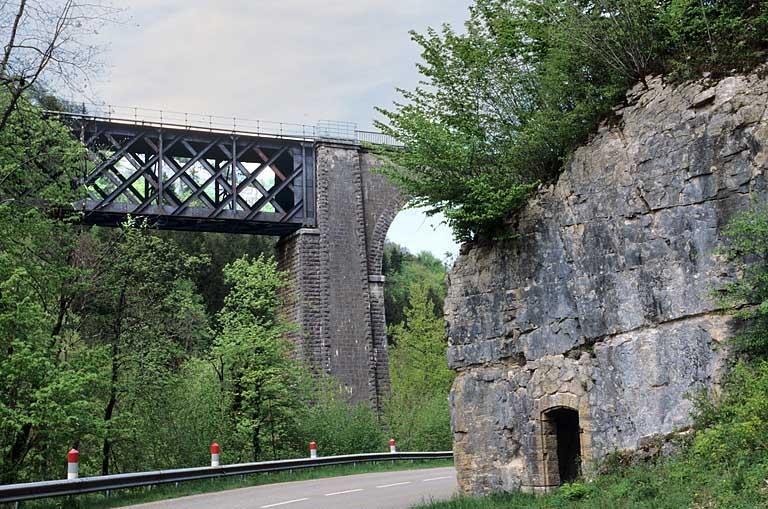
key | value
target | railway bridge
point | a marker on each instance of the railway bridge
(314, 187)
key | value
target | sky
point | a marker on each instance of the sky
(284, 60)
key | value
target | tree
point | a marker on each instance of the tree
(145, 310)
(746, 247)
(50, 380)
(47, 39)
(260, 381)
(501, 106)
(221, 249)
(418, 411)
(402, 270)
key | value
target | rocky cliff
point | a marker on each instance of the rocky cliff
(586, 332)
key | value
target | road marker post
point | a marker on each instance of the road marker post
(215, 454)
(73, 464)
(392, 447)
(313, 450)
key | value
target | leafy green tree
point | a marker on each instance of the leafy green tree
(338, 426)
(403, 269)
(502, 105)
(260, 380)
(221, 249)
(417, 412)
(50, 380)
(145, 311)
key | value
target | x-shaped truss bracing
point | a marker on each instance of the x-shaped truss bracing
(196, 180)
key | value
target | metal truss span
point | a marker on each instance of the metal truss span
(187, 179)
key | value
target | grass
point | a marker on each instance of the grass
(667, 485)
(163, 492)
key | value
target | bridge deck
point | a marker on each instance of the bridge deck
(190, 179)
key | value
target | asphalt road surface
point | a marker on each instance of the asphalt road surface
(385, 490)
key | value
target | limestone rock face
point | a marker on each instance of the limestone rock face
(603, 303)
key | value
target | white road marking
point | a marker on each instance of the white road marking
(284, 503)
(342, 492)
(436, 479)
(395, 484)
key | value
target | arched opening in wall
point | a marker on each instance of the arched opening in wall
(562, 445)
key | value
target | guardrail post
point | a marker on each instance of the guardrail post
(73, 460)
(215, 454)
(392, 447)
(313, 450)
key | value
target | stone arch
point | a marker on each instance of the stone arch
(381, 202)
(561, 439)
(379, 234)
(558, 411)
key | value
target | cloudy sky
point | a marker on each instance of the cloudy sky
(288, 60)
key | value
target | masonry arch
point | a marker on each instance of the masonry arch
(335, 290)
(562, 445)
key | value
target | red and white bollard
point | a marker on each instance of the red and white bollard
(392, 447)
(312, 450)
(73, 464)
(215, 454)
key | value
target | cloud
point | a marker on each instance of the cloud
(287, 60)
(293, 60)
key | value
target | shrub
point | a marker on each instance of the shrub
(340, 427)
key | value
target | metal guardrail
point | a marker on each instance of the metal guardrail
(46, 489)
(337, 131)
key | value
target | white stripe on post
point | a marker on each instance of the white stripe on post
(392, 447)
(312, 450)
(215, 454)
(73, 462)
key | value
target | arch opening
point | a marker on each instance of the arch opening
(562, 445)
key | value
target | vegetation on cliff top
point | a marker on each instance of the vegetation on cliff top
(502, 105)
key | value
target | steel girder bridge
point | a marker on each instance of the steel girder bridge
(183, 177)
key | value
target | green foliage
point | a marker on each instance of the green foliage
(261, 382)
(501, 106)
(220, 249)
(402, 270)
(718, 36)
(418, 413)
(576, 491)
(49, 380)
(38, 158)
(747, 249)
(337, 426)
(733, 436)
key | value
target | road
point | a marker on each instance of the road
(385, 490)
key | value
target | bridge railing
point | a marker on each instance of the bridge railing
(71, 487)
(345, 132)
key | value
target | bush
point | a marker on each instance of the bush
(340, 427)
(576, 491)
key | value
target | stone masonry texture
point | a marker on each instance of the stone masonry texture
(335, 291)
(603, 302)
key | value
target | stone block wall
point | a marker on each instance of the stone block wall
(603, 303)
(335, 292)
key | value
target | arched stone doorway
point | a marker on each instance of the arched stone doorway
(562, 445)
